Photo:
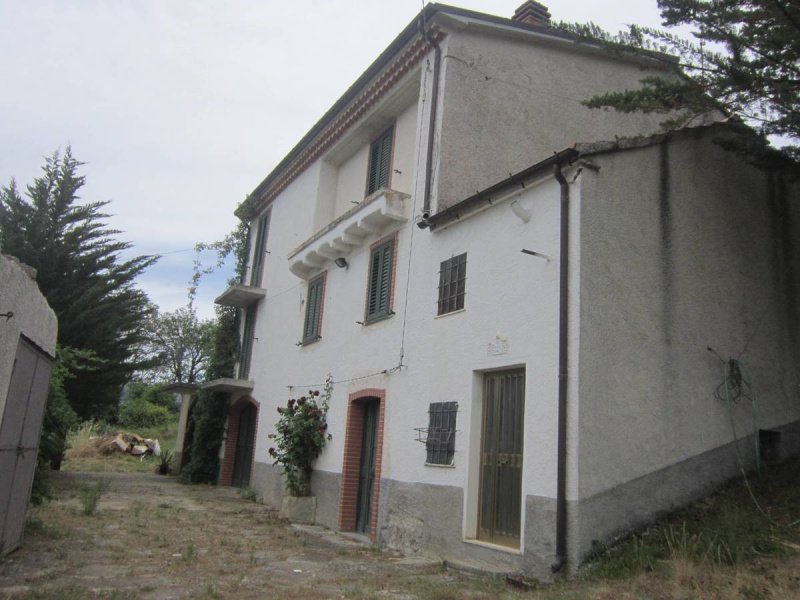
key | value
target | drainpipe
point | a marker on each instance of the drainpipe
(437, 61)
(561, 482)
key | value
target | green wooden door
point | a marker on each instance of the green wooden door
(245, 442)
(500, 503)
(366, 475)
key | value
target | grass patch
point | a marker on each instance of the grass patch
(36, 526)
(725, 529)
(58, 593)
(248, 493)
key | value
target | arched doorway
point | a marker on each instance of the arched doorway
(361, 467)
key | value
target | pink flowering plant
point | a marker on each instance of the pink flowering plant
(301, 435)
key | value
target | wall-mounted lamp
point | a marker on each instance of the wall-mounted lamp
(522, 213)
(341, 262)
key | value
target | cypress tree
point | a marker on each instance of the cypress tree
(81, 272)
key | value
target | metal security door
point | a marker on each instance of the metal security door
(366, 475)
(245, 442)
(500, 503)
(19, 438)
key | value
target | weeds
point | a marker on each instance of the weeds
(190, 552)
(248, 493)
(165, 463)
(90, 495)
(723, 529)
(54, 593)
(80, 443)
(36, 525)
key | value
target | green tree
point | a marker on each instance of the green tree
(745, 61)
(81, 272)
(59, 418)
(179, 345)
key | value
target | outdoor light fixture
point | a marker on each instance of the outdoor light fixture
(522, 213)
(341, 262)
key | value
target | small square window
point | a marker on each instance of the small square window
(441, 442)
(312, 327)
(452, 284)
(380, 162)
(379, 291)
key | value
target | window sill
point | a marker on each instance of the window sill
(452, 312)
(438, 466)
(305, 343)
(490, 546)
(378, 319)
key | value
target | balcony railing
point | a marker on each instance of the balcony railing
(350, 231)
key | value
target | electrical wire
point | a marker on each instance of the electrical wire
(351, 379)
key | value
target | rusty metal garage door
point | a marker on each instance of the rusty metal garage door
(19, 438)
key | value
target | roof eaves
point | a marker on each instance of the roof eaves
(247, 209)
(469, 205)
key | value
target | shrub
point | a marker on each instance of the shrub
(302, 432)
(154, 394)
(141, 413)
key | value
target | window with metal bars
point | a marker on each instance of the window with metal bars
(247, 341)
(379, 291)
(441, 441)
(380, 162)
(452, 284)
(312, 326)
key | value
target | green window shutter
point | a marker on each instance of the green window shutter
(380, 281)
(312, 325)
(380, 162)
(247, 342)
(259, 251)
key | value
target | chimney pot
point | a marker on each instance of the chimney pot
(532, 13)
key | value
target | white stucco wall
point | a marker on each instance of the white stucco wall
(509, 103)
(32, 318)
(679, 253)
(509, 294)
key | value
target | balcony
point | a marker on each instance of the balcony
(240, 295)
(350, 231)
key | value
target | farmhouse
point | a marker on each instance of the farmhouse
(544, 324)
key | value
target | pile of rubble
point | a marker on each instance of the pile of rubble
(128, 443)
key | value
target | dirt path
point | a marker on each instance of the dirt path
(153, 538)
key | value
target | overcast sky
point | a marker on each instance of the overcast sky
(180, 108)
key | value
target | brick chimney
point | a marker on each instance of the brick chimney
(532, 13)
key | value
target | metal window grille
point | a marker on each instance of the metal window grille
(380, 162)
(452, 284)
(313, 321)
(247, 342)
(380, 282)
(441, 441)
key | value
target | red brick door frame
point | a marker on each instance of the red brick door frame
(351, 462)
(234, 412)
